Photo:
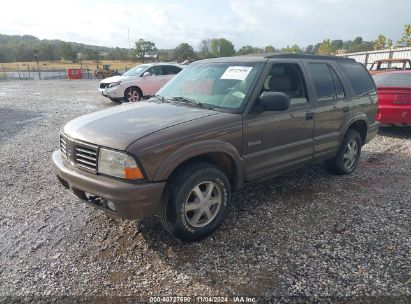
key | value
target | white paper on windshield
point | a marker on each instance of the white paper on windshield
(236, 72)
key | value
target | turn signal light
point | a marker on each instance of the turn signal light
(133, 173)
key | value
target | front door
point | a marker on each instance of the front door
(154, 82)
(276, 141)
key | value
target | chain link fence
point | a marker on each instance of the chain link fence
(32, 72)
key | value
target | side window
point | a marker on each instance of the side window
(323, 81)
(358, 77)
(287, 78)
(337, 83)
(155, 70)
(170, 69)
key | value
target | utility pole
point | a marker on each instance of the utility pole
(4, 72)
(18, 71)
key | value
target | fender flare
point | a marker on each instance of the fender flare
(197, 149)
(350, 120)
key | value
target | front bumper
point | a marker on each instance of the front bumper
(114, 92)
(131, 201)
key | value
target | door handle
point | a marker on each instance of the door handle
(346, 109)
(309, 115)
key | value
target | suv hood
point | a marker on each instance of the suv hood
(116, 78)
(120, 126)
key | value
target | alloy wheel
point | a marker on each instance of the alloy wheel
(133, 96)
(350, 154)
(202, 204)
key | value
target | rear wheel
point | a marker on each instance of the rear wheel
(197, 201)
(100, 75)
(132, 95)
(348, 156)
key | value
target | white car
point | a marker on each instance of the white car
(141, 81)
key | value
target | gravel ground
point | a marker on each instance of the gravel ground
(307, 235)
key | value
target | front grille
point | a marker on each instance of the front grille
(103, 85)
(63, 145)
(79, 154)
(85, 156)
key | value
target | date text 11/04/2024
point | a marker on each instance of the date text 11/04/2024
(203, 299)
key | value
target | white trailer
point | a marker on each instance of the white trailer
(367, 58)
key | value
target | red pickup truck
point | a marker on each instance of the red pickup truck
(386, 65)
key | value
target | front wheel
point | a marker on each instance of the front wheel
(348, 156)
(132, 95)
(197, 201)
(100, 75)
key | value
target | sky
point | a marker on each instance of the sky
(168, 23)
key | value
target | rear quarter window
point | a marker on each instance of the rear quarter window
(358, 77)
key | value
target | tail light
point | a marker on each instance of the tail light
(378, 115)
(402, 99)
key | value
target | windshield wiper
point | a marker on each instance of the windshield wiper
(190, 101)
(159, 97)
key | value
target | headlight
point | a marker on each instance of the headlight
(118, 164)
(114, 84)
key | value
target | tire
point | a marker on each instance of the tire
(195, 202)
(132, 95)
(116, 100)
(99, 75)
(348, 155)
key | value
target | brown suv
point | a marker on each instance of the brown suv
(219, 124)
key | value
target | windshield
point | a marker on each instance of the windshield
(393, 80)
(217, 85)
(136, 71)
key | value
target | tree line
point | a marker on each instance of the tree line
(222, 47)
(15, 48)
(25, 48)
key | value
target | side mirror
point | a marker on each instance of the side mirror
(146, 74)
(274, 101)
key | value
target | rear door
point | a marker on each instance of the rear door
(169, 72)
(276, 141)
(331, 107)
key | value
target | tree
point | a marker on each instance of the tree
(357, 41)
(119, 54)
(248, 49)
(337, 44)
(48, 51)
(382, 43)
(67, 51)
(205, 48)
(406, 36)
(316, 48)
(292, 49)
(143, 48)
(165, 55)
(269, 49)
(363, 47)
(326, 48)
(309, 49)
(221, 48)
(184, 51)
(92, 55)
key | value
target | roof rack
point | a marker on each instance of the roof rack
(306, 56)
